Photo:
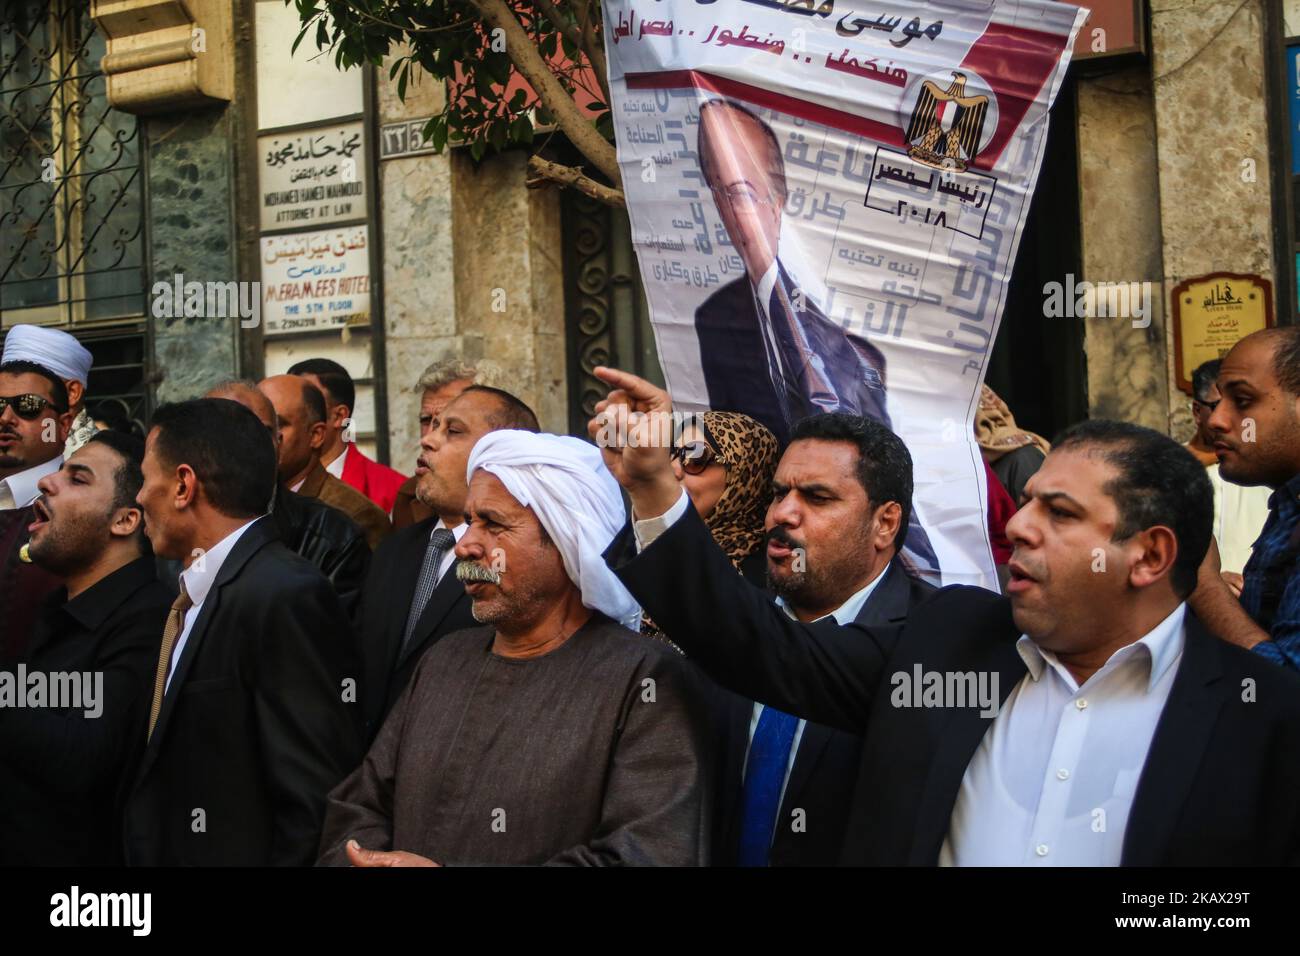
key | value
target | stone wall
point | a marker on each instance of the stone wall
(1174, 182)
(190, 233)
(472, 271)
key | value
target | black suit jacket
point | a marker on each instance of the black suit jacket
(385, 604)
(257, 725)
(827, 368)
(1218, 787)
(825, 767)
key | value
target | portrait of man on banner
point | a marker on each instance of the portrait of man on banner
(766, 347)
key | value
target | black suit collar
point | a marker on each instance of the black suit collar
(261, 533)
(888, 603)
(959, 736)
(409, 553)
(1178, 745)
(449, 590)
(1177, 748)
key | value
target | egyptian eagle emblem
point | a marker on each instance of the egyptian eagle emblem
(946, 125)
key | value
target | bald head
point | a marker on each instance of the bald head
(741, 160)
(300, 408)
(246, 393)
(1256, 425)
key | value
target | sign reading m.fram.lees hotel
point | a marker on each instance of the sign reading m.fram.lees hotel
(1212, 313)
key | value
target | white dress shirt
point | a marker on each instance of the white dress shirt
(197, 580)
(18, 491)
(1053, 780)
(335, 467)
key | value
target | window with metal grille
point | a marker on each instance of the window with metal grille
(71, 180)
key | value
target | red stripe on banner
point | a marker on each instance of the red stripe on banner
(838, 119)
(1016, 62)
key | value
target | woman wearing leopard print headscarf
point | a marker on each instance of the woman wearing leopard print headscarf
(725, 461)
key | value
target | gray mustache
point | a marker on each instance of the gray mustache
(468, 571)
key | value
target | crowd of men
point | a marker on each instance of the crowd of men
(235, 639)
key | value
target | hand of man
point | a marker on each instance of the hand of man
(1234, 581)
(633, 427)
(360, 857)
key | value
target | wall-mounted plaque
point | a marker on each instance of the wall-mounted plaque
(313, 177)
(1211, 313)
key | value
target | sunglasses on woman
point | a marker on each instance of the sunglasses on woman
(695, 456)
(27, 407)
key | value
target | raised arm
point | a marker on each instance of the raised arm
(824, 672)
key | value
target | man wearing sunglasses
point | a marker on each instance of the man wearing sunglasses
(34, 422)
(68, 359)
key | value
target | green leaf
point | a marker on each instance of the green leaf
(401, 85)
(521, 130)
(438, 139)
(476, 149)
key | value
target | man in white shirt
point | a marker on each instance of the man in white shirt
(34, 422)
(1123, 731)
(253, 716)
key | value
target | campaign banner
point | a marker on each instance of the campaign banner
(826, 200)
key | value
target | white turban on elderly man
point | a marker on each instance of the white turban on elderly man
(575, 498)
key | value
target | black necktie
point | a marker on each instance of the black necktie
(440, 542)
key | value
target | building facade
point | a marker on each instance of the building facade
(151, 154)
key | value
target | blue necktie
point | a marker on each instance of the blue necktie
(769, 752)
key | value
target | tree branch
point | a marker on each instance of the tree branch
(528, 60)
(591, 46)
(569, 176)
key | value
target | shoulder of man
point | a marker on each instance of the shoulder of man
(339, 494)
(728, 296)
(958, 608)
(327, 519)
(1251, 679)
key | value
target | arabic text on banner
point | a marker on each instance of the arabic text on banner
(826, 200)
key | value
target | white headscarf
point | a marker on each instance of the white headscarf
(565, 482)
(57, 351)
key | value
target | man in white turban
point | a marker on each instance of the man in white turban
(67, 358)
(552, 734)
